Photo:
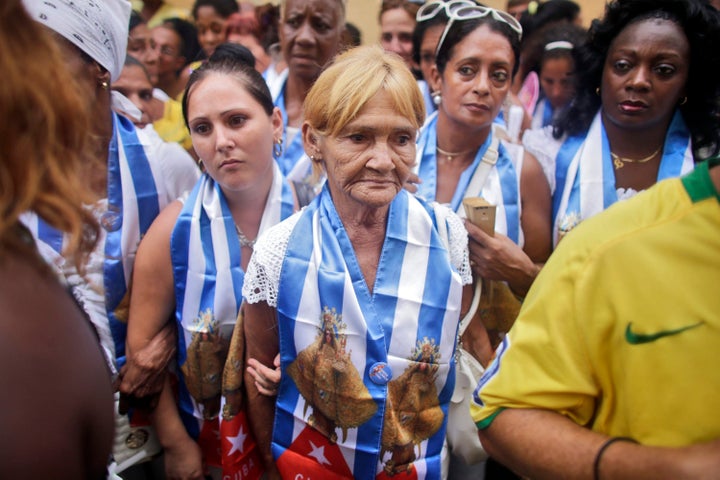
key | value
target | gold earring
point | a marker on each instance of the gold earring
(597, 91)
(104, 85)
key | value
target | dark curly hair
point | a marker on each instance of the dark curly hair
(702, 28)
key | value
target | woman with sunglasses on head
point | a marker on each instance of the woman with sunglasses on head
(476, 58)
(461, 154)
(431, 20)
(645, 107)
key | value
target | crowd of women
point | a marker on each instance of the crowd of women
(266, 227)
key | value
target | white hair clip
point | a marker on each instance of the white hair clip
(561, 44)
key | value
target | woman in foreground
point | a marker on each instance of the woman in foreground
(350, 290)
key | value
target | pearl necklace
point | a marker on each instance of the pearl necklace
(244, 241)
(620, 162)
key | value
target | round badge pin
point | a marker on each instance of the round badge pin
(111, 220)
(380, 373)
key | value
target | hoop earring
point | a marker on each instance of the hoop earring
(597, 91)
(277, 148)
(683, 101)
(436, 98)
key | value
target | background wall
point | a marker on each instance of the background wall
(364, 13)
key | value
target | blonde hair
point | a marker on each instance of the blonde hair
(44, 142)
(352, 79)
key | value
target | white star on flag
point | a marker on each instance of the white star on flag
(237, 442)
(318, 453)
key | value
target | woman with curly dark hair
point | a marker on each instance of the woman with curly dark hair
(645, 107)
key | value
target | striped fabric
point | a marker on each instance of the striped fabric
(206, 258)
(356, 362)
(585, 176)
(501, 188)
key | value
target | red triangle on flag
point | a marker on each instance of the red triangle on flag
(240, 453)
(313, 456)
(209, 442)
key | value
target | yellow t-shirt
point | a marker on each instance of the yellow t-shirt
(621, 330)
(171, 127)
(164, 12)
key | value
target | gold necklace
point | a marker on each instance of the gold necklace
(244, 241)
(449, 156)
(620, 162)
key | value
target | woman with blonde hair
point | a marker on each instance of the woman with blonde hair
(43, 150)
(360, 292)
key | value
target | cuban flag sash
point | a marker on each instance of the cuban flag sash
(543, 115)
(501, 187)
(133, 202)
(206, 258)
(353, 360)
(588, 187)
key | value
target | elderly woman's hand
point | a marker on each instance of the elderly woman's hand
(267, 380)
(499, 258)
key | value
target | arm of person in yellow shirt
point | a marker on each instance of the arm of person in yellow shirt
(542, 444)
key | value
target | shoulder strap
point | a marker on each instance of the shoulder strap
(304, 192)
(489, 160)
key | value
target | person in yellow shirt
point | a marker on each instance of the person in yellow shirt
(609, 371)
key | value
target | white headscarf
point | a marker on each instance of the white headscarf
(97, 27)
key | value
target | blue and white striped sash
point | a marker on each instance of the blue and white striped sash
(206, 258)
(133, 203)
(586, 185)
(543, 115)
(501, 188)
(416, 298)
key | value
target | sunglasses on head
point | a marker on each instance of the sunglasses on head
(431, 9)
(468, 12)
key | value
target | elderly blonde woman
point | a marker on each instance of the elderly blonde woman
(360, 292)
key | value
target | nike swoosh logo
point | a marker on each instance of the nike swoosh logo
(640, 338)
